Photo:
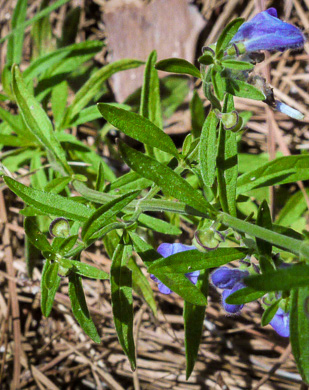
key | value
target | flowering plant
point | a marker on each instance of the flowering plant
(200, 184)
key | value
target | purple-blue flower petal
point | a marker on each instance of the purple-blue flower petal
(281, 323)
(164, 289)
(193, 276)
(226, 278)
(166, 250)
(232, 309)
(266, 32)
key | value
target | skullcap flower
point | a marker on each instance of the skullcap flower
(225, 277)
(266, 32)
(229, 279)
(166, 250)
(281, 323)
(229, 308)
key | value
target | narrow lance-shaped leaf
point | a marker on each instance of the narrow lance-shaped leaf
(84, 269)
(227, 163)
(283, 279)
(122, 301)
(197, 114)
(48, 294)
(282, 170)
(49, 203)
(141, 286)
(150, 107)
(208, 149)
(102, 216)
(15, 43)
(264, 220)
(138, 127)
(194, 321)
(242, 89)
(178, 65)
(227, 34)
(170, 182)
(80, 309)
(37, 16)
(194, 260)
(35, 236)
(88, 91)
(269, 313)
(38, 122)
(244, 295)
(299, 330)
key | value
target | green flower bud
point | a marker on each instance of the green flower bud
(59, 228)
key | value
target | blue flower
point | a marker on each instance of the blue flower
(225, 277)
(229, 279)
(281, 323)
(266, 32)
(166, 250)
(232, 309)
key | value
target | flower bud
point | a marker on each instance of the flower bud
(59, 228)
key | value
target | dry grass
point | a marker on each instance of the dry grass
(236, 353)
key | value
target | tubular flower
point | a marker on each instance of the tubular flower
(166, 250)
(266, 32)
(281, 323)
(230, 308)
(230, 280)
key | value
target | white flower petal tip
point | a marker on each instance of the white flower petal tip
(287, 110)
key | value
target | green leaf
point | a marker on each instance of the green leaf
(38, 122)
(280, 280)
(238, 65)
(244, 295)
(48, 294)
(208, 149)
(79, 307)
(15, 43)
(293, 209)
(32, 256)
(59, 97)
(49, 203)
(194, 260)
(103, 215)
(178, 65)
(241, 89)
(182, 286)
(35, 236)
(150, 95)
(299, 330)
(122, 301)
(227, 34)
(49, 60)
(36, 17)
(170, 182)
(94, 84)
(57, 185)
(269, 313)
(158, 225)
(86, 269)
(141, 285)
(197, 114)
(264, 220)
(218, 84)
(138, 127)
(227, 163)
(194, 321)
(282, 170)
